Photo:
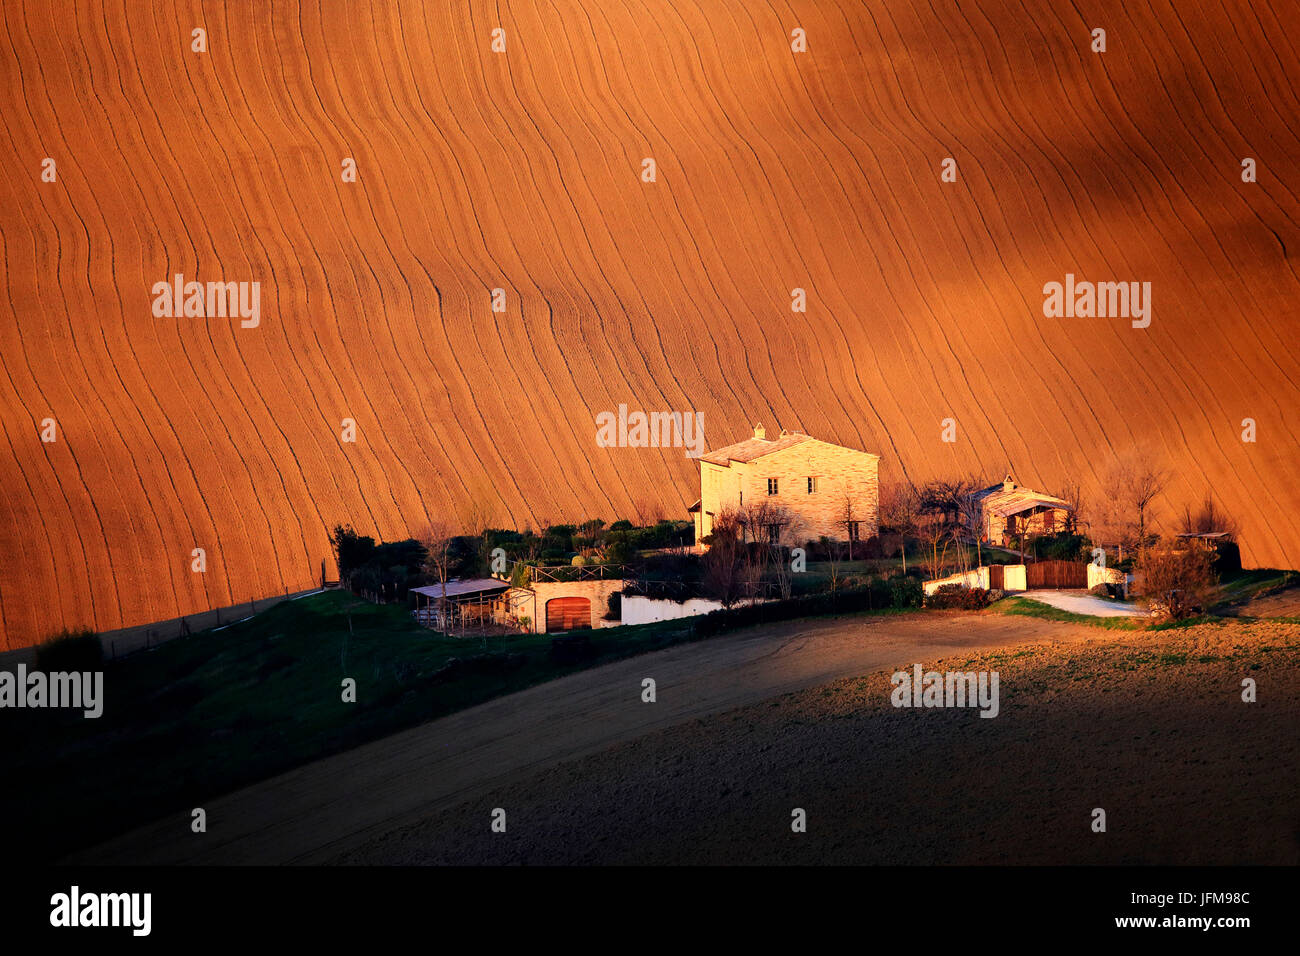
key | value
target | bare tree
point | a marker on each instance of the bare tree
(900, 511)
(770, 524)
(1072, 494)
(848, 518)
(1136, 481)
(723, 562)
(1208, 519)
(834, 556)
(941, 503)
(935, 535)
(970, 514)
(436, 539)
(475, 517)
(647, 511)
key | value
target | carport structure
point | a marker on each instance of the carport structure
(461, 605)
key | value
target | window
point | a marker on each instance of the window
(773, 533)
(854, 527)
(771, 486)
(812, 485)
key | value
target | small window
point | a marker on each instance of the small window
(812, 485)
(854, 527)
(771, 486)
(773, 534)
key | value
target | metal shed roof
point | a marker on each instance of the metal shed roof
(461, 588)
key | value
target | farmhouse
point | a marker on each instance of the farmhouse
(815, 488)
(1008, 511)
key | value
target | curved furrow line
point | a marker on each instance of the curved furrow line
(620, 103)
(596, 84)
(759, 169)
(156, 391)
(358, 132)
(311, 382)
(636, 365)
(314, 534)
(986, 227)
(292, 570)
(468, 446)
(1195, 371)
(901, 87)
(440, 426)
(30, 368)
(615, 104)
(138, 363)
(880, 166)
(760, 380)
(142, 381)
(1041, 414)
(576, 218)
(90, 465)
(1088, 236)
(831, 129)
(520, 170)
(269, 190)
(117, 286)
(281, 106)
(11, 534)
(1163, 355)
(1139, 367)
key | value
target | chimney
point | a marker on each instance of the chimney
(1008, 484)
(760, 431)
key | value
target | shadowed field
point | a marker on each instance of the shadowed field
(522, 171)
(1152, 731)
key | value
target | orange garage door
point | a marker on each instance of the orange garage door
(566, 614)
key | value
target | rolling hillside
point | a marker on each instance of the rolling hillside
(522, 170)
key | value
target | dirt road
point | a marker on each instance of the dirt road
(324, 809)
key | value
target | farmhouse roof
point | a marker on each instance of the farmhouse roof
(1007, 498)
(1026, 503)
(752, 449)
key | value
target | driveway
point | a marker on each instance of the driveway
(327, 808)
(1081, 602)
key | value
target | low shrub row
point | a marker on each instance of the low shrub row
(958, 596)
(898, 592)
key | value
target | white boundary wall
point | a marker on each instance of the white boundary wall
(639, 609)
(1013, 579)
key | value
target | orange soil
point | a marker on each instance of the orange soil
(521, 170)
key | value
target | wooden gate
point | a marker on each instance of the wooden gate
(568, 614)
(1056, 574)
(996, 577)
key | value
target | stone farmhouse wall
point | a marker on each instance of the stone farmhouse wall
(839, 472)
